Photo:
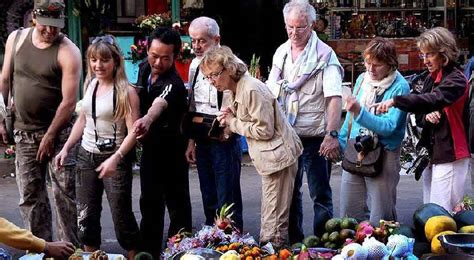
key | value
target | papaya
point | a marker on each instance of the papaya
(436, 246)
(422, 214)
(464, 218)
(333, 224)
(466, 229)
(296, 246)
(349, 223)
(311, 241)
(404, 230)
(438, 224)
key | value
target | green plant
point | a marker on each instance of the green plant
(254, 68)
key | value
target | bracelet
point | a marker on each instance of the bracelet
(120, 154)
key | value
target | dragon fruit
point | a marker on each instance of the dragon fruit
(354, 251)
(376, 249)
(364, 230)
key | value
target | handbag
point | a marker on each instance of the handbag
(358, 163)
(9, 109)
(202, 126)
(365, 164)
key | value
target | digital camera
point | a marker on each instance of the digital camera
(365, 143)
(106, 145)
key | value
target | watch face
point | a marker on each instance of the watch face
(334, 133)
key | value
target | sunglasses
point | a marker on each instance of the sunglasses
(49, 14)
(106, 38)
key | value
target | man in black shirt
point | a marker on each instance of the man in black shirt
(163, 169)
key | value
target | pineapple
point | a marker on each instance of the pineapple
(223, 220)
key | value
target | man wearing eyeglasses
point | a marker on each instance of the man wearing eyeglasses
(306, 76)
(47, 68)
(218, 161)
(163, 168)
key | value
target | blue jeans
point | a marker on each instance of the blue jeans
(218, 165)
(317, 173)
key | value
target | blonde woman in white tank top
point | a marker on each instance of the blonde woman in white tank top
(102, 163)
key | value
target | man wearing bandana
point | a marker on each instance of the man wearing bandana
(45, 74)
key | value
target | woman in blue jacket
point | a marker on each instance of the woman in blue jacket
(375, 197)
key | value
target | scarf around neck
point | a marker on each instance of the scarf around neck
(314, 58)
(373, 88)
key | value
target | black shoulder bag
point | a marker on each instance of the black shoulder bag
(202, 126)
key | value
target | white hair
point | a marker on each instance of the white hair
(303, 7)
(206, 22)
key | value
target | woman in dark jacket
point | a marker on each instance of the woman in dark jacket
(440, 110)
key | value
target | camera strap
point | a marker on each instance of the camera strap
(94, 116)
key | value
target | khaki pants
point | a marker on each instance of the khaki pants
(277, 189)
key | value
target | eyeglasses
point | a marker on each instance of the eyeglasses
(106, 38)
(214, 76)
(427, 55)
(296, 29)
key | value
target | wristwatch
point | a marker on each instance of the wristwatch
(334, 134)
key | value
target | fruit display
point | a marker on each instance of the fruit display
(99, 255)
(338, 233)
(343, 238)
(244, 251)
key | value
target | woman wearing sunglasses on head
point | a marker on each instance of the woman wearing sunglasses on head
(109, 108)
(440, 110)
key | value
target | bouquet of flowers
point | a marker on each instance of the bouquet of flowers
(148, 23)
(138, 52)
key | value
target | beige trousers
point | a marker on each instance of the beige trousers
(277, 190)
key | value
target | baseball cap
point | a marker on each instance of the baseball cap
(50, 12)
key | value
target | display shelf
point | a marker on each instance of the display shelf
(389, 9)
